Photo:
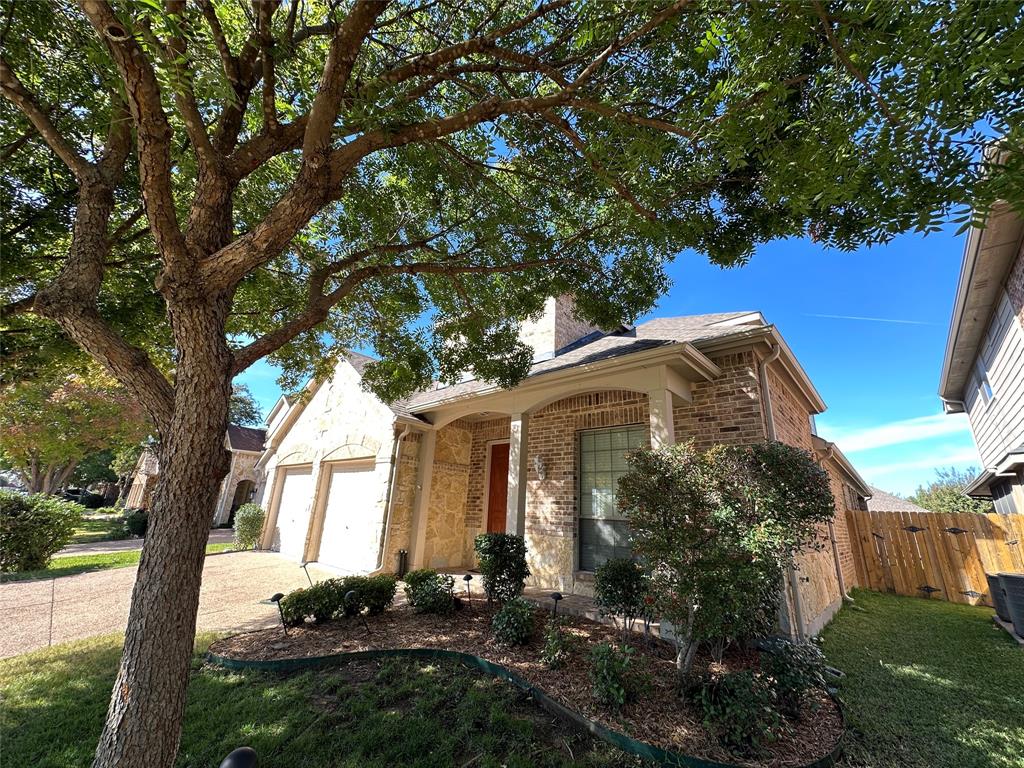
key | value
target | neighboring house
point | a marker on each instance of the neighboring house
(983, 370)
(351, 482)
(238, 487)
(881, 501)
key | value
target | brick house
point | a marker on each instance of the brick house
(237, 488)
(351, 481)
(983, 368)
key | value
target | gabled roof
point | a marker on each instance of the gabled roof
(823, 446)
(881, 501)
(693, 329)
(988, 257)
(246, 438)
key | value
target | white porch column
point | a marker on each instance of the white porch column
(421, 506)
(663, 430)
(515, 510)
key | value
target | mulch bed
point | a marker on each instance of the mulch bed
(658, 715)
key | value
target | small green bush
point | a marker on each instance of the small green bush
(556, 645)
(739, 708)
(620, 589)
(502, 558)
(296, 606)
(374, 594)
(136, 522)
(105, 511)
(329, 599)
(33, 528)
(513, 623)
(248, 525)
(611, 674)
(429, 591)
(794, 669)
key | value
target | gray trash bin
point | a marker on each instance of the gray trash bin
(1013, 589)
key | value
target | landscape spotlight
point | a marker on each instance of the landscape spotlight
(468, 578)
(555, 597)
(276, 598)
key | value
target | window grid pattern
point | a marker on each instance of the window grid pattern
(603, 529)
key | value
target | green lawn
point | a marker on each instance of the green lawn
(929, 684)
(69, 566)
(364, 715)
(102, 528)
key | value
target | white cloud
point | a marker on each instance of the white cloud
(958, 458)
(854, 440)
(871, 319)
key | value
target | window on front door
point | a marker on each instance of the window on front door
(603, 530)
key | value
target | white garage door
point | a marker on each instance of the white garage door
(352, 519)
(293, 511)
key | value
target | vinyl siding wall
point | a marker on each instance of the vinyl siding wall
(998, 425)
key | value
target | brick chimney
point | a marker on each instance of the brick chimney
(555, 329)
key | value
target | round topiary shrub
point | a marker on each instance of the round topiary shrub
(248, 525)
(136, 521)
(33, 528)
(513, 624)
(620, 590)
(502, 558)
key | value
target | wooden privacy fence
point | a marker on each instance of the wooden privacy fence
(935, 556)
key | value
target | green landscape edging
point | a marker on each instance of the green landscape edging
(616, 739)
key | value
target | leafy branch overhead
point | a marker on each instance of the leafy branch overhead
(340, 173)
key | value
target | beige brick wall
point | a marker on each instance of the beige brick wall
(557, 327)
(726, 410)
(446, 520)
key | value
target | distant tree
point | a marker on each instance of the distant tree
(94, 468)
(51, 427)
(243, 408)
(946, 493)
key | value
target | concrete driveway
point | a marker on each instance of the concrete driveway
(52, 611)
(217, 536)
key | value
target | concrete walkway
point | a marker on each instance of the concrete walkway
(52, 611)
(217, 536)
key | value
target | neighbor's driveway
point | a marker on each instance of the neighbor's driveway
(217, 536)
(97, 603)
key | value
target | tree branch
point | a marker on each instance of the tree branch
(16, 93)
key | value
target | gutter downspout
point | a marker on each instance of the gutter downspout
(769, 419)
(385, 533)
(832, 536)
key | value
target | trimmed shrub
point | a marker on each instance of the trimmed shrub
(739, 708)
(327, 599)
(429, 591)
(556, 645)
(296, 606)
(33, 528)
(502, 558)
(611, 674)
(248, 525)
(793, 669)
(513, 624)
(374, 594)
(620, 589)
(136, 522)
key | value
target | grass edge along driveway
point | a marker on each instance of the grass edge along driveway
(74, 564)
(928, 683)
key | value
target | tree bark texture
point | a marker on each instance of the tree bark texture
(143, 723)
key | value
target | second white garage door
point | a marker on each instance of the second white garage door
(352, 518)
(293, 511)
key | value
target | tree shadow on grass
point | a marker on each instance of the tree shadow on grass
(365, 714)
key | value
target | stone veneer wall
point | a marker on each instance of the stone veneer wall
(446, 521)
(816, 571)
(403, 498)
(1015, 286)
(551, 503)
(482, 432)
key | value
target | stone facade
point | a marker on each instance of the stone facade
(556, 328)
(242, 470)
(1015, 286)
(446, 521)
(403, 499)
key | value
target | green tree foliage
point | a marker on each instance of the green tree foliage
(190, 187)
(243, 408)
(51, 427)
(33, 528)
(716, 530)
(946, 494)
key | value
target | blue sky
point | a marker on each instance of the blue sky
(878, 376)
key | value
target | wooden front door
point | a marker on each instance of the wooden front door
(497, 490)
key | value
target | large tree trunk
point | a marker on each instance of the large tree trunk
(147, 705)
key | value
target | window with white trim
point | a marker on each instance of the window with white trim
(603, 529)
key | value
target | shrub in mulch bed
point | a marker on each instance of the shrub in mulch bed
(656, 714)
